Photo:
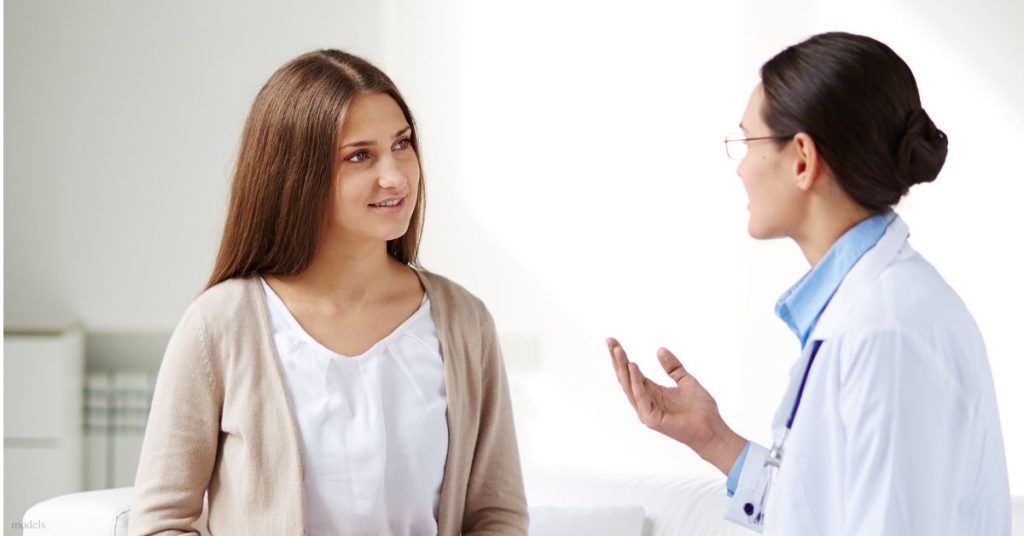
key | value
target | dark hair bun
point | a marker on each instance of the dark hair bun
(922, 150)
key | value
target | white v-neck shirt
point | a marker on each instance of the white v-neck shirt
(374, 427)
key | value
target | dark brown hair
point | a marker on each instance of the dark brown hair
(283, 178)
(859, 102)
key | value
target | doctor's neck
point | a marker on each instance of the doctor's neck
(827, 216)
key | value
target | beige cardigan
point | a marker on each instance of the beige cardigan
(222, 423)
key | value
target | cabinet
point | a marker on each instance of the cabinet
(43, 377)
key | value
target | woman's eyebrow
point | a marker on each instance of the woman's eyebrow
(369, 143)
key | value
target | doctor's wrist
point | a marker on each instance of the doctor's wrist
(723, 449)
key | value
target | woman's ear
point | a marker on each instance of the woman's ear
(807, 165)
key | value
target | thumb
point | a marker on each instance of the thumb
(672, 365)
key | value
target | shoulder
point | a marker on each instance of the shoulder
(464, 325)
(910, 319)
(910, 294)
(230, 292)
(230, 306)
(451, 298)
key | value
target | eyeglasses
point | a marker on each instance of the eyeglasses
(736, 144)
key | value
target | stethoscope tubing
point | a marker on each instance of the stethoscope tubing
(774, 459)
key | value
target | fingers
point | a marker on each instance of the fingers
(620, 363)
(638, 386)
(672, 366)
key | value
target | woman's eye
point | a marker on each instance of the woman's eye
(358, 157)
(401, 144)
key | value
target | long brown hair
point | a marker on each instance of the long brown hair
(282, 181)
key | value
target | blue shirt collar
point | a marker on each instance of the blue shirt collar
(804, 302)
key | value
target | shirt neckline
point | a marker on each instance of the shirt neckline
(804, 302)
(296, 329)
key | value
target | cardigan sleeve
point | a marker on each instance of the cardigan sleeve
(495, 498)
(180, 444)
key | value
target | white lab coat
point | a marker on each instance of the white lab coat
(897, 431)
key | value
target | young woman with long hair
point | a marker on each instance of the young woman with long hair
(324, 383)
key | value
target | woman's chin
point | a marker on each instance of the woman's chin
(756, 231)
(760, 231)
(394, 233)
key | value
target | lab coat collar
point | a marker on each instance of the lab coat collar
(863, 273)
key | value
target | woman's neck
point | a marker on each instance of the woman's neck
(347, 275)
(824, 225)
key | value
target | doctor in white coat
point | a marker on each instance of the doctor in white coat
(889, 424)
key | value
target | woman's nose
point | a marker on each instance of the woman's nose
(391, 174)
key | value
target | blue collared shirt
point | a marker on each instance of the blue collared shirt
(802, 305)
(804, 302)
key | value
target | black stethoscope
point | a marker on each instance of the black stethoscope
(774, 459)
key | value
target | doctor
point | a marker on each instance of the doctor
(889, 424)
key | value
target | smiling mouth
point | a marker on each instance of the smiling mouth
(387, 203)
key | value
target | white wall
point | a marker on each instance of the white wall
(577, 180)
(122, 123)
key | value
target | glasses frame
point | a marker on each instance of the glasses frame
(731, 139)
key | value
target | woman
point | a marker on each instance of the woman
(889, 425)
(322, 384)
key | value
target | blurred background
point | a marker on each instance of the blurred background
(577, 183)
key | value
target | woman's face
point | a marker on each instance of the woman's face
(377, 171)
(769, 177)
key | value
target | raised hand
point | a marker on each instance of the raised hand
(686, 412)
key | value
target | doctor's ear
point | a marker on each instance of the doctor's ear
(808, 164)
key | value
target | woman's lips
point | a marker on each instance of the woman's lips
(397, 207)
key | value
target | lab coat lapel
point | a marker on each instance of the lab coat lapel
(866, 270)
(862, 274)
